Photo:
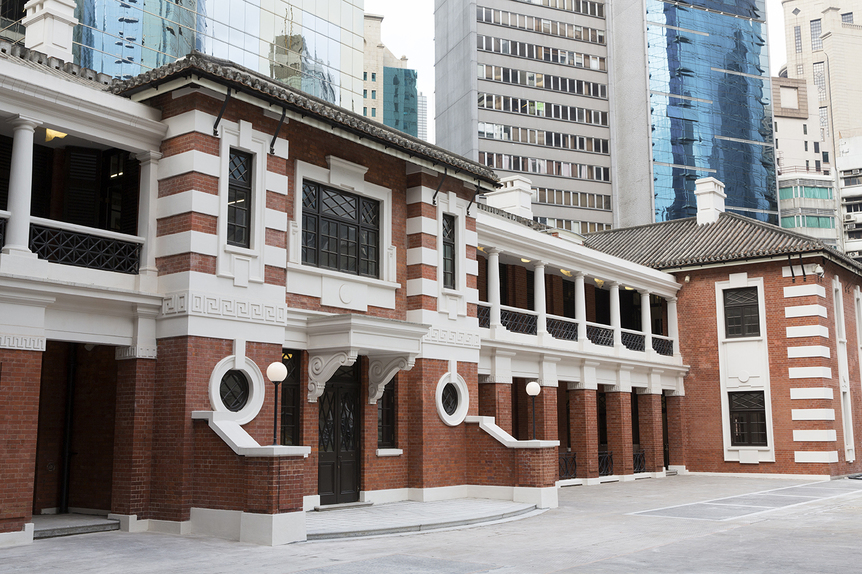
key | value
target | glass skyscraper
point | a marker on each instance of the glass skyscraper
(709, 107)
(399, 100)
(313, 46)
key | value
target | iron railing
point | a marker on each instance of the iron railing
(600, 335)
(639, 460)
(84, 250)
(519, 322)
(606, 463)
(633, 341)
(662, 346)
(483, 313)
(2, 232)
(565, 330)
(568, 465)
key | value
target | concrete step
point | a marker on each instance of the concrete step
(53, 526)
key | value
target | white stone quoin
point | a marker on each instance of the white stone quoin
(710, 199)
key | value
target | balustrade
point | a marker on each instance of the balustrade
(84, 247)
(606, 463)
(568, 465)
(633, 340)
(639, 460)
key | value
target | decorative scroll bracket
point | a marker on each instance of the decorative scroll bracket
(380, 372)
(322, 366)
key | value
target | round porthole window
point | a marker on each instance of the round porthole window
(234, 390)
(452, 398)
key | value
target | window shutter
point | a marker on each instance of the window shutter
(82, 187)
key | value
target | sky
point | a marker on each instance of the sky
(408, 30)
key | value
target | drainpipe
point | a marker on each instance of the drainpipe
(71, 369)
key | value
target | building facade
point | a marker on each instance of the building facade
(389, 94)
(807, 196)
(822, 43)
(313, 47)
(691, 99)
(523, 88)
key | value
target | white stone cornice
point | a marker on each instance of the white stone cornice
(22, 342)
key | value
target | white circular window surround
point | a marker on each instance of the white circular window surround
(256, 389)
(460, 413)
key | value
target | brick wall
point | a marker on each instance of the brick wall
(19, 411)
(133, 436)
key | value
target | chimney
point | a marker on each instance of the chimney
(515, 197)
(710, 199)
(49, 25)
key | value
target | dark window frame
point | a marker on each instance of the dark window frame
(741, 312)
(387, 407)
(239, 199)
(449, 251)
(747, 421)
(347, 243)
(291, 399)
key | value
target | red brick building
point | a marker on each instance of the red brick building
(770, 323)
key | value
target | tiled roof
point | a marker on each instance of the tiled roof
(268, 89)
(683, 243)
(40, 61)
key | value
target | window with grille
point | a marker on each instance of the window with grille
(449, 251)
(816, 42)
(340, 230)
(290, 399)
(239, 199)
(386, 416)
(747, 419)
(797, 36)
(847, 18)
(234, 390)
(741, 313)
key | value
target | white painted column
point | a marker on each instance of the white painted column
(580, 307)
(148, 196)
(615, 313)
(646, 320)
(494, 287)
(539, 302)
(20, 187)
(672, 325)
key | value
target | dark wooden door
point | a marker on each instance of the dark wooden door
(338, 473)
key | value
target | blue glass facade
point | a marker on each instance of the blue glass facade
(711, 106)
(400, 99)
(311, 51)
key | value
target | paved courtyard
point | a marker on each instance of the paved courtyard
(677, 524)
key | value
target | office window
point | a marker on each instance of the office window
(364, 93)
(800, 69)
(805, 145)
(373, 112)
(364, 111)
(816, 165)
(847, 18)
(364, 76)
(747, 418)
(741, 313)
(797, 37)
(449, 251)
(816, 42)
(826, 157)
(239, 199)
(824, 122)
(816, 147)
(373, 76)
(340, 230)
(373, 94)
(820, 79)
(805, 129)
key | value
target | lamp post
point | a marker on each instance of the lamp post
(276, 372)
(533, 389)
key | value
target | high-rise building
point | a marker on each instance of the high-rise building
(823, 42)
(807, 197)
(522, 87)
(422, 116)
(389, 93)
(312, 46)
(691, 99)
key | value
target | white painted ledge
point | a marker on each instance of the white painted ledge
(488, 425)
(389, 452)
(240, 441)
